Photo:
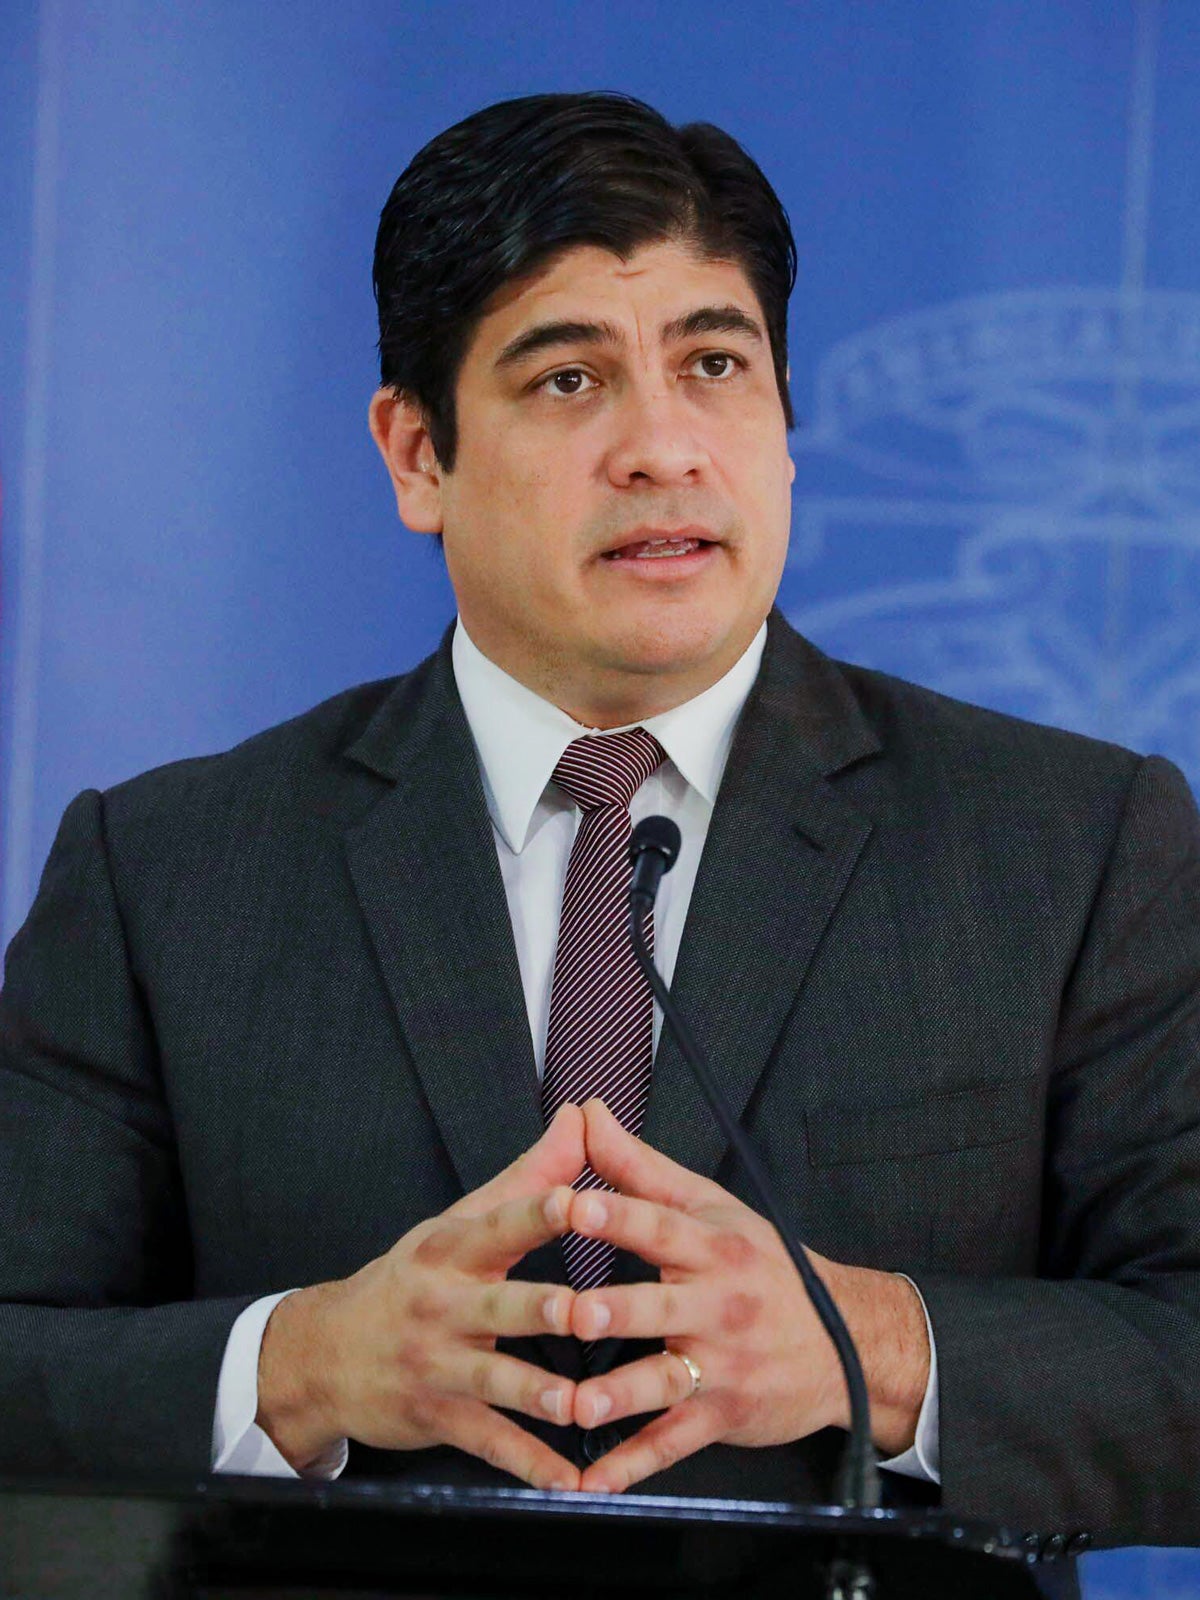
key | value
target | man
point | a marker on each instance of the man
(293, 1018)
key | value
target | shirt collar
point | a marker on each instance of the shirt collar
(520, 737)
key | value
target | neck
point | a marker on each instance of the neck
(618, 700)
(604, 694)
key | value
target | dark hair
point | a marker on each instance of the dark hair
(493, 198)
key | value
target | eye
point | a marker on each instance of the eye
(716, 364)
(567, 381)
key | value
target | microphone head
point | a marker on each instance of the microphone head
(658, 834)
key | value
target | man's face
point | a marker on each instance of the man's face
(617, 518)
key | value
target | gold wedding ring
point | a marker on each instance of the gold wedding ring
(692, 1367)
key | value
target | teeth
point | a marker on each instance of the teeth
(655, 550)
(665, 547)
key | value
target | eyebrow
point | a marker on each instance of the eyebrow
(550, 335)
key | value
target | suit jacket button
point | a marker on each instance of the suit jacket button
(1079, 1542)
(1053, 1546)
(598, 1442)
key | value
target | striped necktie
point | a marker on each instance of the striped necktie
(600, 1039)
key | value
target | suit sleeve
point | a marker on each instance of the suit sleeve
(1071, 1401)
(107, 1366)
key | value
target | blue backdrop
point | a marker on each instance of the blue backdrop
(995, 357)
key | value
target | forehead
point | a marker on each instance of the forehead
(661, 281)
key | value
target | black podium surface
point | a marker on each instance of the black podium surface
(242, 1537)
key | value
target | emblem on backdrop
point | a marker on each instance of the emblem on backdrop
(1000, 498)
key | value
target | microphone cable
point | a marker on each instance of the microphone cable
(653, 849)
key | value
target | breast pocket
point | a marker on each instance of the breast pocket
(840, 1133)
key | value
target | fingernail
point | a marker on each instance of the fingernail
(561, 1486)
(593, 1213)
(555, 1209)
(551, 1310)
(600, 1317)
(601, 1406)
(554, 1404)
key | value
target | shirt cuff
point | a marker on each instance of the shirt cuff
(239, 1445)
(923, 1458)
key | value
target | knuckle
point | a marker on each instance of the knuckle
(413, 1359)
(429, 1302)
(664, 1231)
(733, 1249)
(494, 1450)
(485, 1381)
(436, 1247)
(424, 1412)
(739, 1311)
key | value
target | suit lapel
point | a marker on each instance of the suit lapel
(780, 851)
(425, 872)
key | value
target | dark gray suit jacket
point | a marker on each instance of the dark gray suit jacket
(266, 1015)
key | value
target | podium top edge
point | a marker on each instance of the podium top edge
(421, 1499)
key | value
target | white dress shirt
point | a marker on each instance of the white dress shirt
(519, 738)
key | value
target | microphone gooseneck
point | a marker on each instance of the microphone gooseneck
(653, 849)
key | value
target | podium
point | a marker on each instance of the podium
(259, 1539)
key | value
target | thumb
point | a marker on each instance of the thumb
(557, 1158)
(636, 1168)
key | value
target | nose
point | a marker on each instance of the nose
(656, 441)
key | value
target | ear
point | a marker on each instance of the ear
(787, 378)
(399, 429)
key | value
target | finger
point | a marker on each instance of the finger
(557, 1158)
(642, 1311)
(512, 1385)
(510, 1309)
(492, 1241)
(636, 1169)
(651, 1384)
(659, 1234)
(472, 1426)
(679, 1432)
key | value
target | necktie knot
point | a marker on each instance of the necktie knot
(608, 769)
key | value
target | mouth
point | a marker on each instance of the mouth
(660, 544)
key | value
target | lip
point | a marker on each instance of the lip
(658, 570)
(645, 534)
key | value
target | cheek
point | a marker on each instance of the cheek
(756, 457)
(766, 512)
(777, 492)
(533, 500)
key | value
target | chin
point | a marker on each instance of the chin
(666, 645)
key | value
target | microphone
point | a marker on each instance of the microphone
(653, 849)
